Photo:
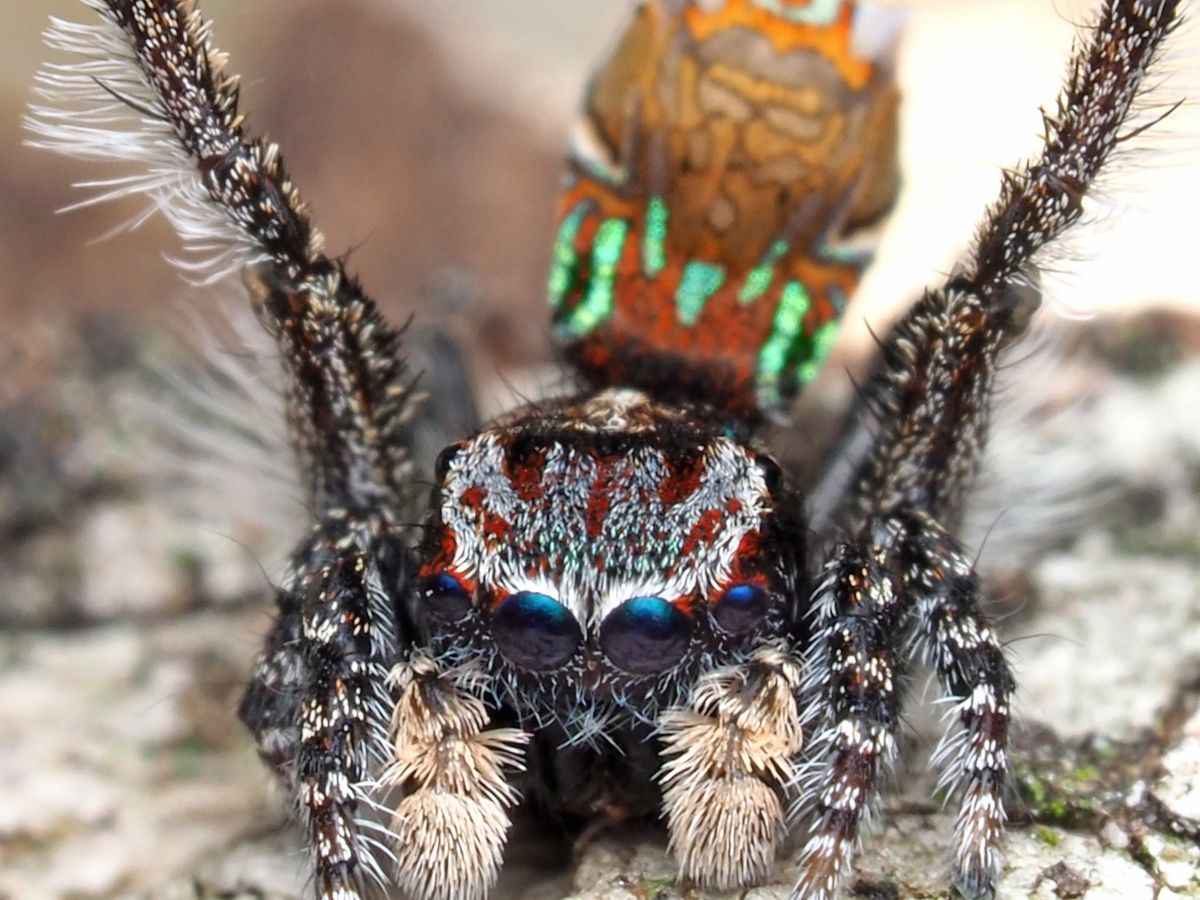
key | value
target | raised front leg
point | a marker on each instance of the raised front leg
(927, 407)
(150, 93)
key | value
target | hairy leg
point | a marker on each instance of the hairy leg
(727, 763)
(150, 93)
(929, 404)
(903, 575)
(451, 826)
(926, 408)
(853, 684)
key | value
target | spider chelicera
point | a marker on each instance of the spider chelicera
(618, 603)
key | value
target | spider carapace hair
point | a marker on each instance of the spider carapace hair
(618, 604)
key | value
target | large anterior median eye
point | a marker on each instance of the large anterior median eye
(535, 631)
(740, 607)
(645, 635)
(445, 598)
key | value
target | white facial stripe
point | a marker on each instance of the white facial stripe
(499, 563)
(594, 536)
(729, 475)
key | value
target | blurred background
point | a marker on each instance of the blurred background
(427, 138)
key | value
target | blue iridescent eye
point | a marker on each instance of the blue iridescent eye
(445, 598)
(535, 631)
(645, 635)
(741, 607)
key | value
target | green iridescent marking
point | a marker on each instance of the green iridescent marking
(763, 274)
(700, 280)
(597, 304)
(654, 241)
(794, 304)
(822, 344)
(565, 261)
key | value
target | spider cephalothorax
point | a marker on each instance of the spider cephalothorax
(620, 604)
(597, 555)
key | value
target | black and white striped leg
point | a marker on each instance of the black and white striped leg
(904, 576)
(317, 704)
(148, 90)
(930, 398)
(964, 650)
(344, 709)
(854, 693)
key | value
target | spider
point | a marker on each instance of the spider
(619, 604)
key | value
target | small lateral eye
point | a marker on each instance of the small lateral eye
(740, 607)
(535, 631)
(445, 598)
(645, 635)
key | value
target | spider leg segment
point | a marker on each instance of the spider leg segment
(930, 401)
(346, 395)
(340, 703)
(314, 704)
(151, 91)
(902, 576)
(727, 763)
(931, 395)
(854, 685)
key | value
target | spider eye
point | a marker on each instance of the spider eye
(535, 631)
(445, 597)
(741, 607)
(645, 635)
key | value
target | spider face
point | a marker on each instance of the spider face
(610, 546)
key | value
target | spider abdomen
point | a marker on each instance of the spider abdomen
(722, 157)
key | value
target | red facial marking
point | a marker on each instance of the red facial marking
(686, 605)
(750, 546)
(704, 531)
(442, 560)
(747, 568)
(600, 499)
(496, 531)
(526, 476)
(683, 481)
(496, 596)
